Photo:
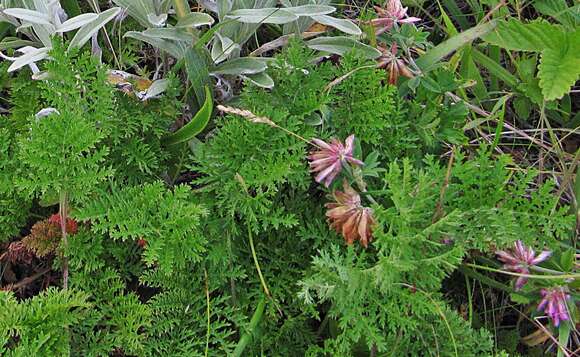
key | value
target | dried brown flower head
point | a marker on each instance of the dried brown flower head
(347, 216)
(45, 235)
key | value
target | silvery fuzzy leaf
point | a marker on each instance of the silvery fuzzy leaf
(195, 19)
(31, 16)
(155, 89)
(76, 22)
(169, 33)
(261, 79)
(242, 65)
(165, 45)
(343, 25)
(265, 16)
(311, 10)
(340, 45)
(86, 32)
(157, 20)
(222, 48)
(45, 112)
(29, 57)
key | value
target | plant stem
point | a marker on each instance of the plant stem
(62, 210)
(247, 337)
(208, 313)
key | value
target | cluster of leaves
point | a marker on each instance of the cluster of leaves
(238, 259)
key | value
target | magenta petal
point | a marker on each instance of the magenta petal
(409, 20)
(354, 161)
(507, 257)
(321, 144)
(520, 282)
(541, 257)
(349, 145)
(323, 174)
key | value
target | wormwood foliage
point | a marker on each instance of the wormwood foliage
(167, 221)
(41, 325)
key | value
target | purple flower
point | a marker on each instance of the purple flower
(554, 304)
(394, 13)
(328, 160)
(520, 260)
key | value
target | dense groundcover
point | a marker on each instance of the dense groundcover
(293, 178)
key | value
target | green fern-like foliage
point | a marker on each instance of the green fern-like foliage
(137, 154)
(118, 320)
(13, 207)
(40, 326)
(391, 296)
(61, 152)
(167, 220)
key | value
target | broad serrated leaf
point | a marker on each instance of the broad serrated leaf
(87, 31)
(340, 45)
(535, 36)
(266, 16)
(343, 25)
(242, 65)
(559, 69)
(196, 125)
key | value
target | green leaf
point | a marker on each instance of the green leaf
(32, 16)
(164, 45)
(495, 68)
(567, 259)
(559, 69)
(534, 37)
(311, 10)
(343, 25)
(76, 22)
(340, 45)
(242, 65)
(263, 16)
(520, 299)
(196, 66)
(195, 19)
(260, 79)
(87, 31)
(196, 125)
(559, 10)
(563, 336)
(434, 55)
(71, 7)
(169, 33)
(32, 56)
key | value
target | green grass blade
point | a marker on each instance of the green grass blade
(434, 55)
(196, 125)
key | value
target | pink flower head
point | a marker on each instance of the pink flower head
(347, 216)
(520, 260)
(554, 304)
(394, 13)
(328, 160)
